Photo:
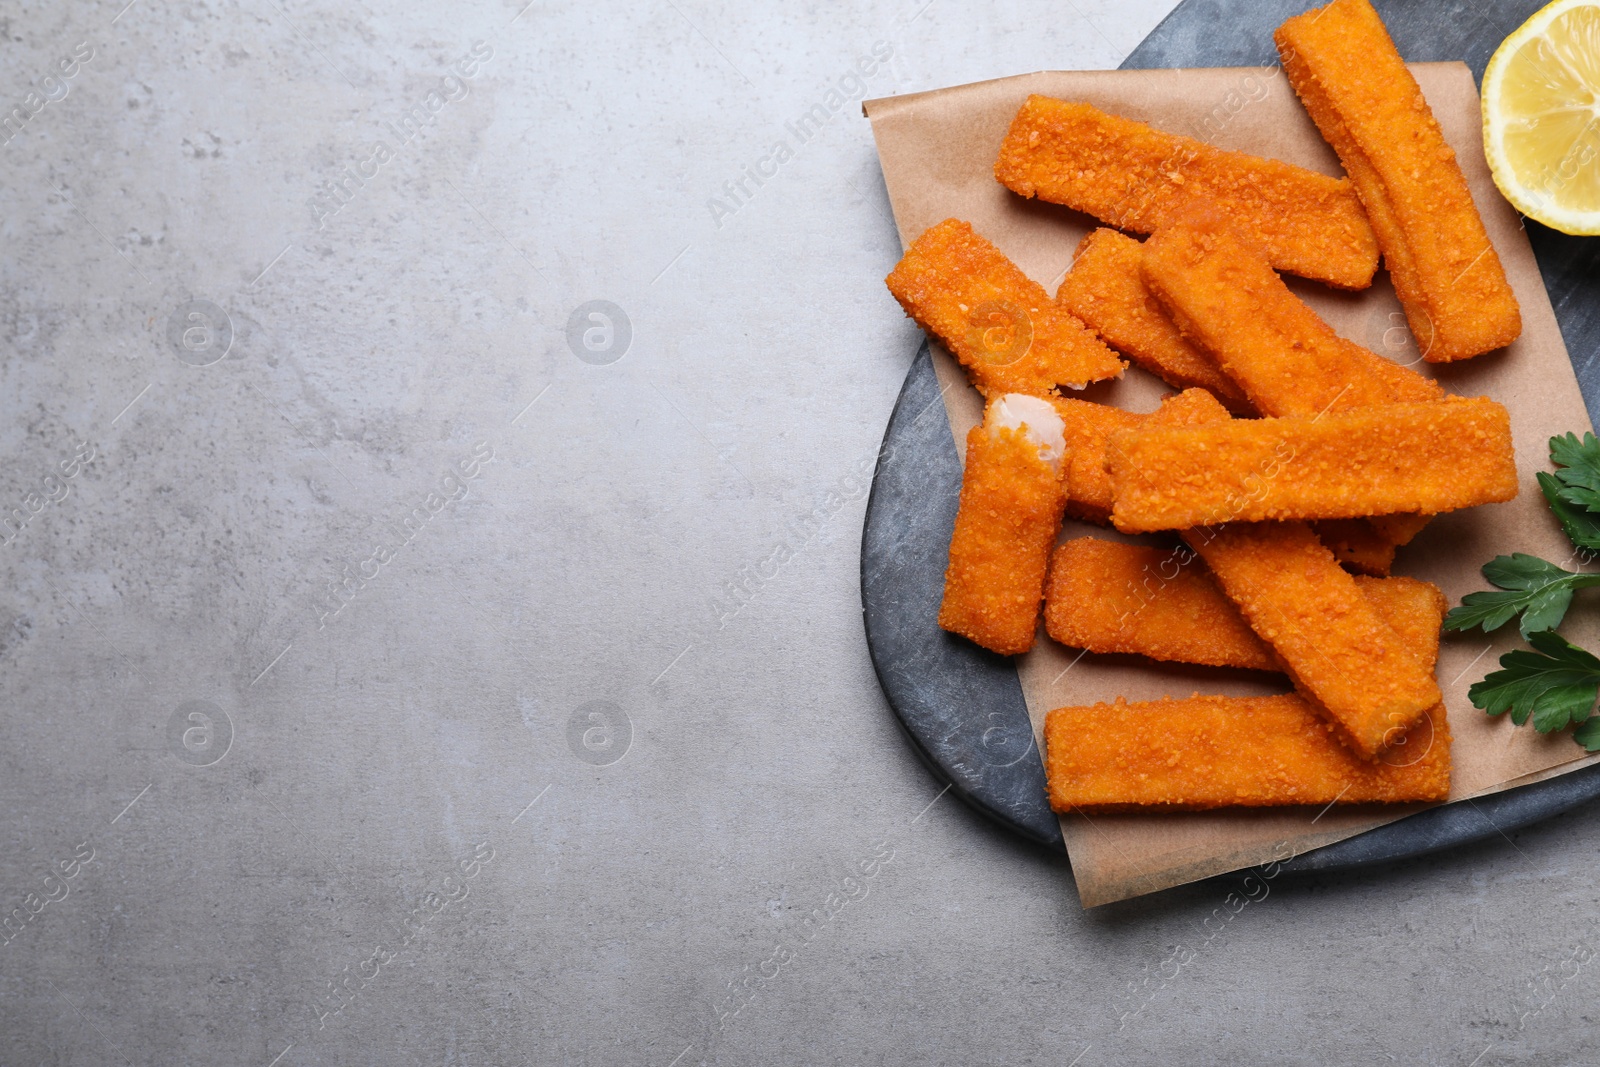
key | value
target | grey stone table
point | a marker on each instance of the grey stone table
(434, 453)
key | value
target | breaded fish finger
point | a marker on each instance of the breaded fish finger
(1008, 517)
(1106, 596)
(1088, 425)
(1328, 636)
(1106, 290)
(1132, 176)
(1414, 458)
(1218, 287)
(999, 323)
(1217, 284)
(1217, 751)
(1346, 70)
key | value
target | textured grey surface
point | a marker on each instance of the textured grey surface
(662, 548)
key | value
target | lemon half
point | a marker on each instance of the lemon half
(1541, 116)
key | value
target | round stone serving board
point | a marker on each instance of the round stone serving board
(962, 707)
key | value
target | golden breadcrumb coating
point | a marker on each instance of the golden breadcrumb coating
(1001, 324)
(1216, 751)
(1105, 289)
(1218, 287)
(1413, 608)
(1088, 425)
(1158, 602)
(1346, 70)
(1132, 177)
(1399, 529)
(1328, 636)
(1419, 458)
(1006, 522)
(1107, 596)
(1358, 544)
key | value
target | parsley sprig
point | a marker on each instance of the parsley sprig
(1537, 589)
(1578, 464)
(1557, 683)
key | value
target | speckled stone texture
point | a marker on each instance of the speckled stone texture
(355, 711)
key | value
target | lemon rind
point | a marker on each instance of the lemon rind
(1577, 223)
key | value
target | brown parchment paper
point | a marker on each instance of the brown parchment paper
(938, 150)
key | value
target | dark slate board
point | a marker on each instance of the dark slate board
(962, 707)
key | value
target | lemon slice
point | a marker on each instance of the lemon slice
(1541, 116)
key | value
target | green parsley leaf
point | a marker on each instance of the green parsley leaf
(1579, 469)
(1588, 734)
(1489, 610)
(1582, 526)
(1555, 685)
(1538, 589)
